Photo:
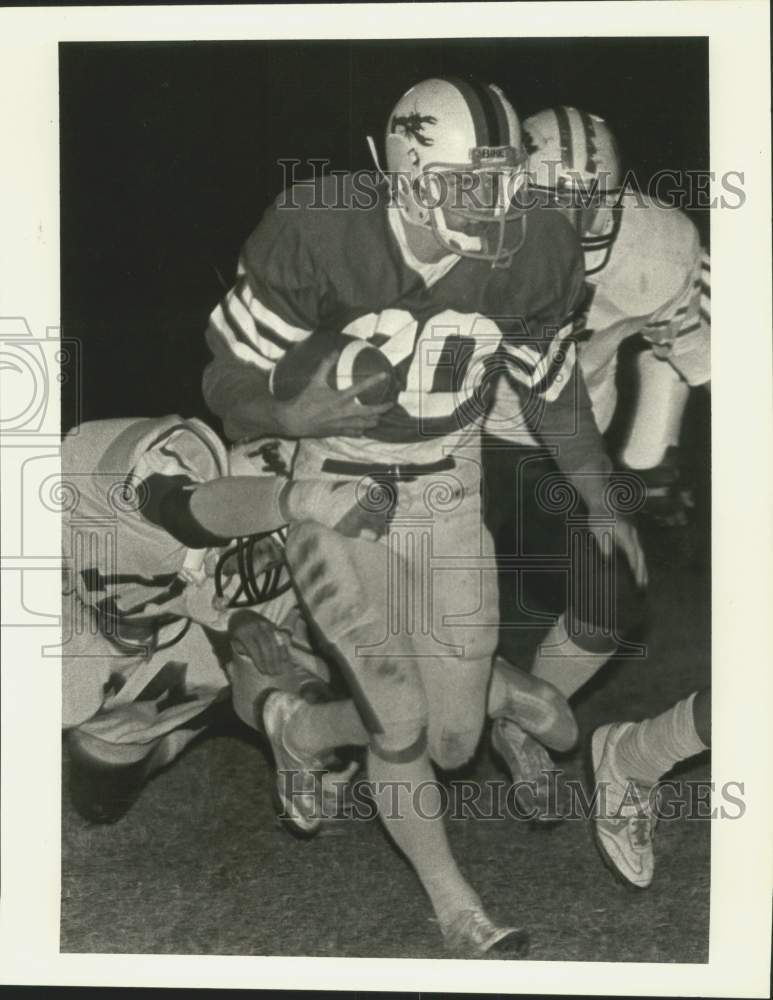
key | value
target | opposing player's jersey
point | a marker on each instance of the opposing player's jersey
(309, 267)
(657, 282)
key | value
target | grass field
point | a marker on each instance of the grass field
(199, 866)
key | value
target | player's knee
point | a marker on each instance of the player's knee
(453, 748)
(401, 743)
(454, 739)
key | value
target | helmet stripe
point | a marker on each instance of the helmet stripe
(481, 106)
(506, 137)
(590, 144)
(565, 137)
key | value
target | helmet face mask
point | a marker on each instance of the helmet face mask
(252, 571)
(456, 166)
(597, 249)
(574, 165)
(473, 210)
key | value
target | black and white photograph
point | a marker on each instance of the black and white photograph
(386, 466)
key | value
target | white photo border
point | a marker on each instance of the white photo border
(742, 446)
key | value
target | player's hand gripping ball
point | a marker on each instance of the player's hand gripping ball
(356, 361)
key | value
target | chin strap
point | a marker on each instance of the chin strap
(374, 156)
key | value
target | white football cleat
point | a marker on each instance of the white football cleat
(471, 934)
(625, 819)
(298, 777)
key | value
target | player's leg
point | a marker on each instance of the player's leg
(264, 656)
(604, 606)
(629, 758)
(657, 418)
(281, 689)
(532, 703)
(345, 584)
(651, 447)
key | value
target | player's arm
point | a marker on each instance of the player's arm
(210, 514)
(558, 410)
(275, 304)
(240, 396)
(546, 374)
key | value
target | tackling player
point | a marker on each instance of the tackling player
(647, 275)
(442, 271)
(164, 535)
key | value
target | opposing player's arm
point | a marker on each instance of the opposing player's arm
(273, 306)
(210, 514)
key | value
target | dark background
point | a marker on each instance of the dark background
(169, 157)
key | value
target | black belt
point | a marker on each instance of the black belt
(398, 471)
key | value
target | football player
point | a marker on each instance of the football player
(629, 759)
(441, 270)
(165, 535)
(647, 276)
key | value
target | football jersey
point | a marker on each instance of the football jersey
(656, 283)
(445, 327)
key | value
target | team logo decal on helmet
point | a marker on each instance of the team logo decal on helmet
(413, 125)
(574, 163)
(456, 165)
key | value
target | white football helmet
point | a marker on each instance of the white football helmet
(455, 164)
(575, 164)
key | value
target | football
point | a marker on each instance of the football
(356, 360)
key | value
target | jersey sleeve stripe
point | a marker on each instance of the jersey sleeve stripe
(691, 328)
(245, 298)
(220, 330)
(244, 329)
(286, 331)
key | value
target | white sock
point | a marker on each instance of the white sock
(422, 838)
(649, 749)
(565, 664)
